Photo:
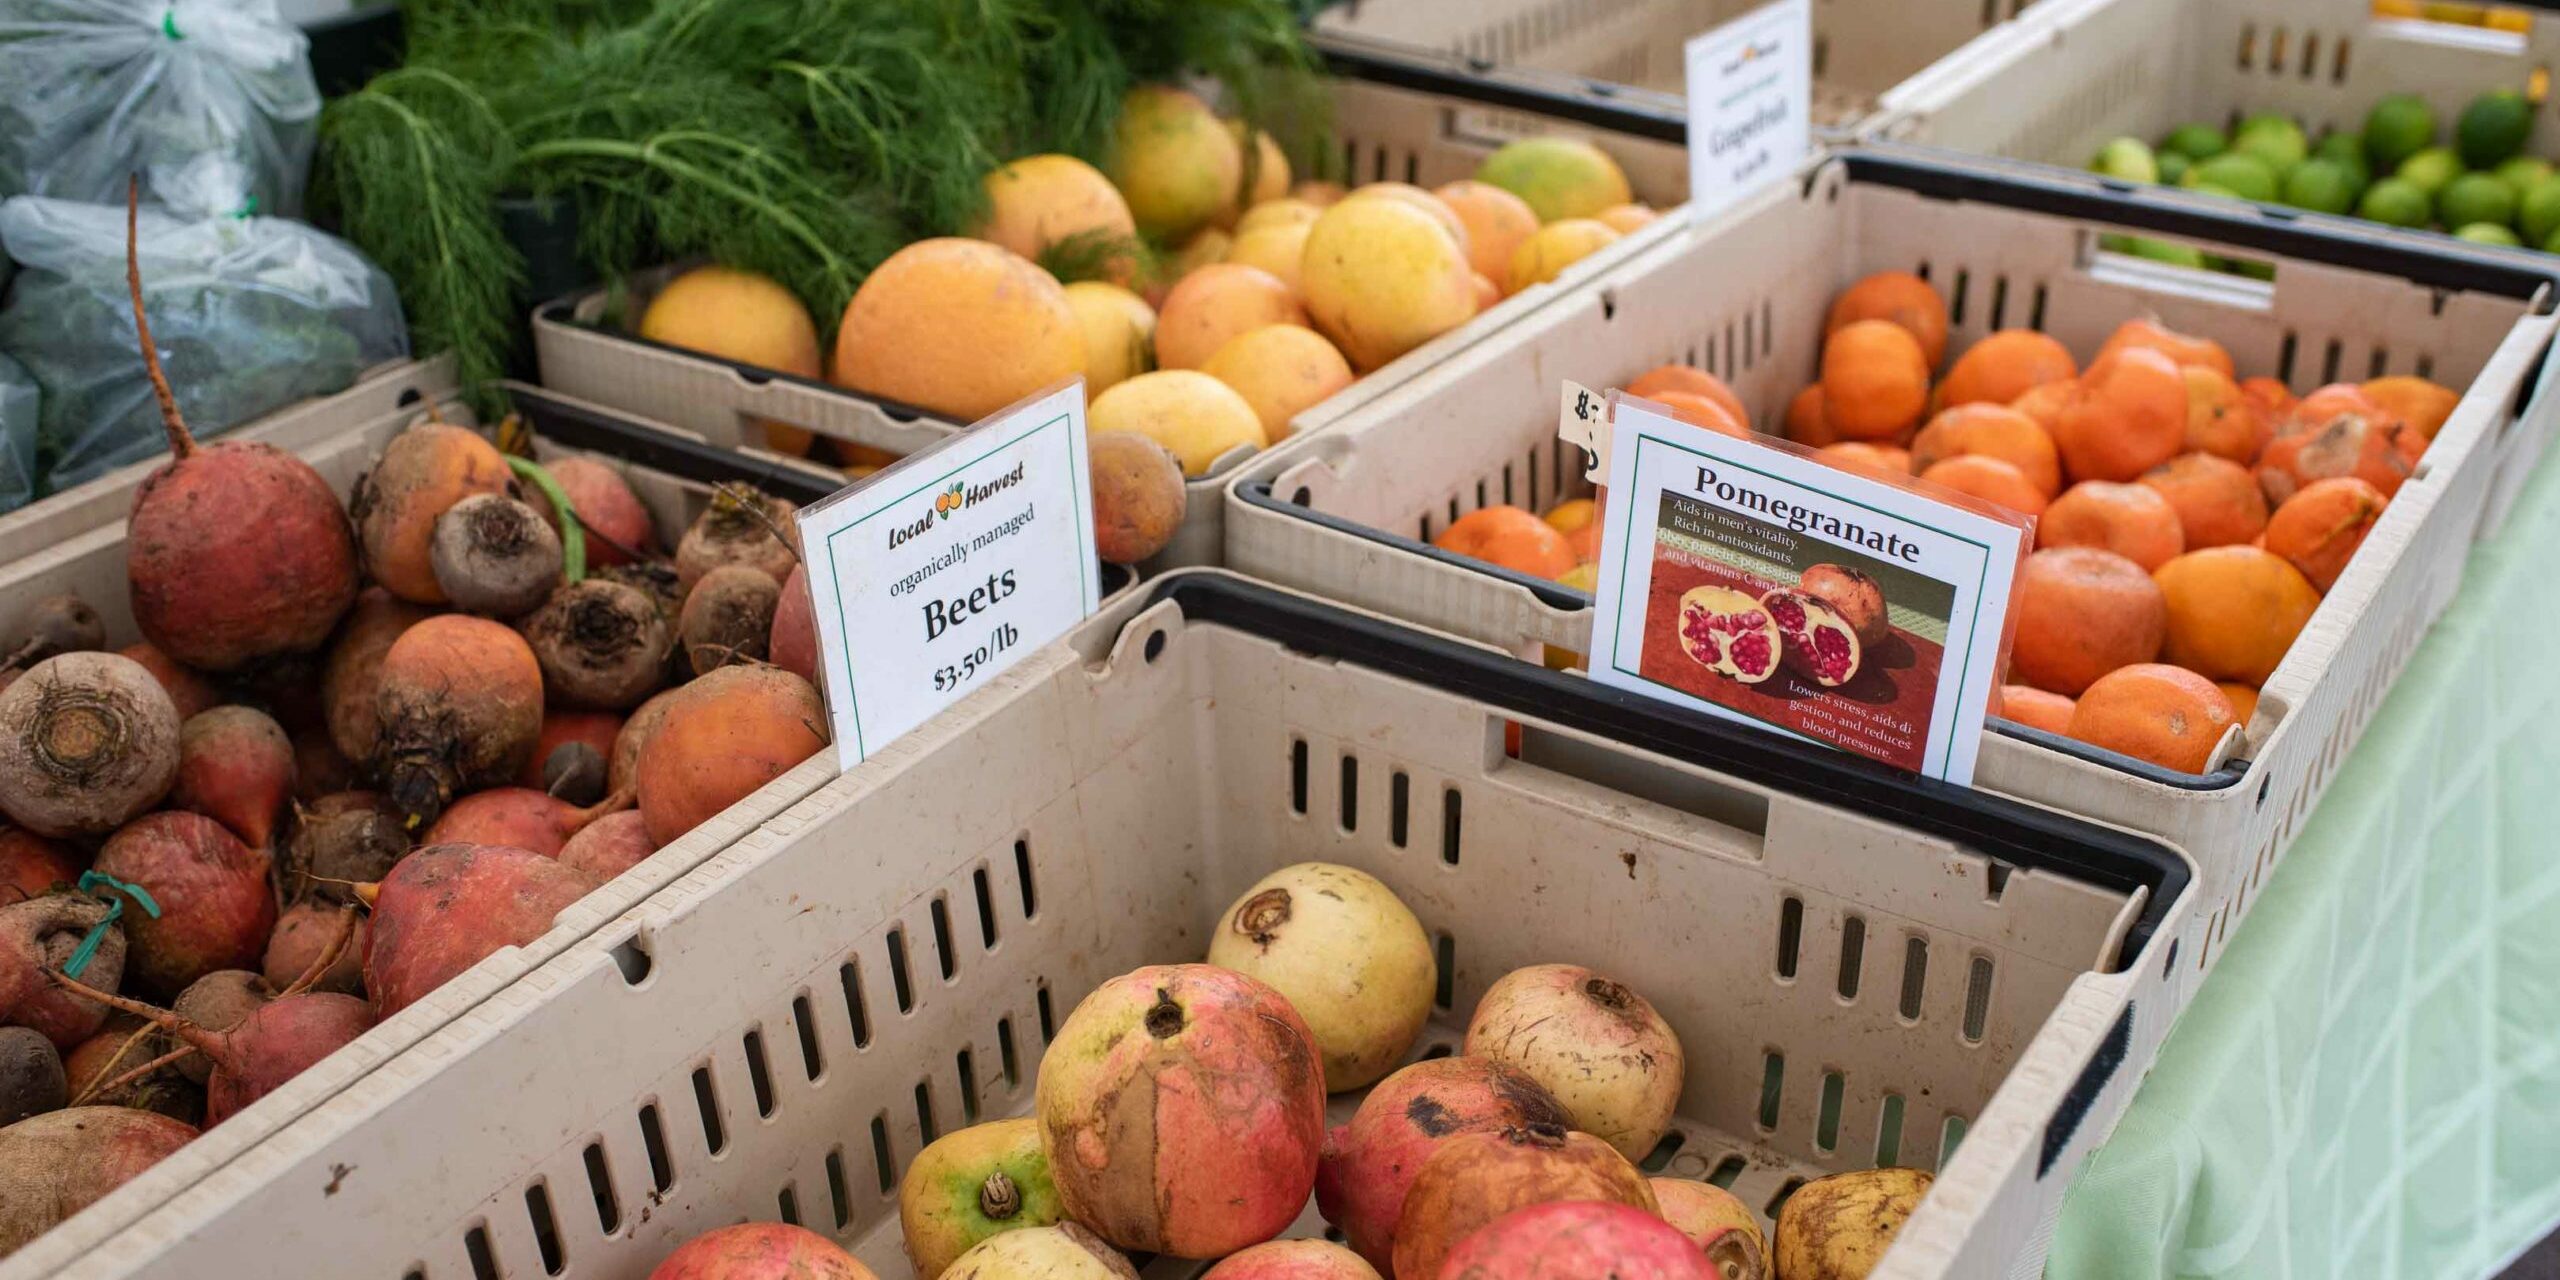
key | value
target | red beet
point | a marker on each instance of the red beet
(304, 933)
(235, 766)
(219, 1001)
(518, 816)
(446, 906)
(794, 646)
(1575, 1239)
(609, 846)
(270, 1046)
(594, 728)
(40, 935)
(616, 522)
(216, 906)
(188, 690)
(353, 673)
(760, 1251)
(54, 1165)
(461, 708)
(32, 866)
(1371, 1162)
(87, 740)
(237, 550)
(730, 732)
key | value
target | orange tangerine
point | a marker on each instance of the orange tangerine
(2152, 711)
(1991, 479)
(2217, 500)
(2130, 520)
(1901, 298)
(2233, 611)
(1512, 538)
(2005, 366)
(1992, 431)
(1875, 380)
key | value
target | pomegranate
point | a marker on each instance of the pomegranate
(1853, 595)
(1292, 1260)
(760, 1251)
(1370, 1163)
(1841, 1225)
(1820, 644)
(1574, 1240)
(1347, 955)
(1597, 1046)
(1478, 1177)
(1717, 1221)
(965, 1187)
(2344, 444)
(1182, 1107)
(1729, 633)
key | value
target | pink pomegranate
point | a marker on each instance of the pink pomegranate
(1182, 1107)
(1820, 645)
(760, 1251)
(1371, 1162)
(1478, 1177)
(1599, 1047)
(1575, 1240)
(1292, 1260)
(1729, 633)
(1853, 594)
(1717, 1221)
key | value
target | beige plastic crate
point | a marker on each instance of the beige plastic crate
(1850, 960)
(1862, 49)
(83, 507)
(1386, 131)
(1347, 515)
(2086, 71)
(93, 565)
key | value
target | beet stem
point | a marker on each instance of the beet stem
(151, 1013)
(136, 1073)
(573, 542)
(181, 445)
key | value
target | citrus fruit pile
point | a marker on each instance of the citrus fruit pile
(1206, 299)
(2400, 169)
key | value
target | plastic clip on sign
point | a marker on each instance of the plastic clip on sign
(1750, 86)
(932, 575)
(1748, 580)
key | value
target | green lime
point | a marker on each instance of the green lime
(2212, 189)
(2476, 197)
(2430, 169)
(2199, 141)
(2341, 145)
(2539, 215)
(2322, 186)
(2493, 128)
(2552, 245)
(2524, 173)
(2173, 166)
(2489, 233)
(2127, 158)
(2240, 173)
(2396, 201)
(2274, 139)
(2398, 127)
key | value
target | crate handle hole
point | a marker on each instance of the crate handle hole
(631, 956)
(1155, 645)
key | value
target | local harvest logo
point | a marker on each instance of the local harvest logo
(1752, 51)
(954, 500)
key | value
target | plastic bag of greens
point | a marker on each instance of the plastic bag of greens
(17, 435)
(250, 314)
(211, 101)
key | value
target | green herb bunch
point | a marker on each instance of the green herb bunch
(803, 139)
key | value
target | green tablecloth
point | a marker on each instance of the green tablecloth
(2368, 1083)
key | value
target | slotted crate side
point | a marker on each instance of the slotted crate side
(2095, 70)
(106, 499)
(1483, 427)
(93, 566)
(1095, 809)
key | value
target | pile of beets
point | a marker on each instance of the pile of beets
(359, 747)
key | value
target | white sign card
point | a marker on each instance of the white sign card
(933, 574)
(1748, 581)
(1750, 87)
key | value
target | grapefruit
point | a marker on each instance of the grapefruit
(740, 316)
(1274, 247)
(1281, 370)
(1381, 277)
(958, 327)
(1215, 303)
(1119, 333)
(1557, 245)
(1178, 165)
(1038, 201)
(1196, 416)
(1286, 209)
(1559, 177)
(1496, 221)
(1270, 175)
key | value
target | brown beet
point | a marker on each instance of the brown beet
(447, 906)
(600, 644)
(730, 732)
(31, 1077)
(794, 644)
(304, 933)
(57, 624)
(54, 1165)
(31, 866)
(494, 556)
(728, 617)
(129, 1065)
(609, 846)
(235, 766)
(518, 816)
(424, 471)
(739, 527)
(559, 727)
(342, 840)
(617, 524)
(219, 1001)
(656, 581)
(188, 690)
(41, 935)
(87, 740)
(318, 767)
(575, 772)
(622, 766)
(234, 551)
(353, 674)
(215, 903)
(461, 708)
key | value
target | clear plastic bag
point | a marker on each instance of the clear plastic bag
(17, 435)
(211, 101)
(250, 315)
